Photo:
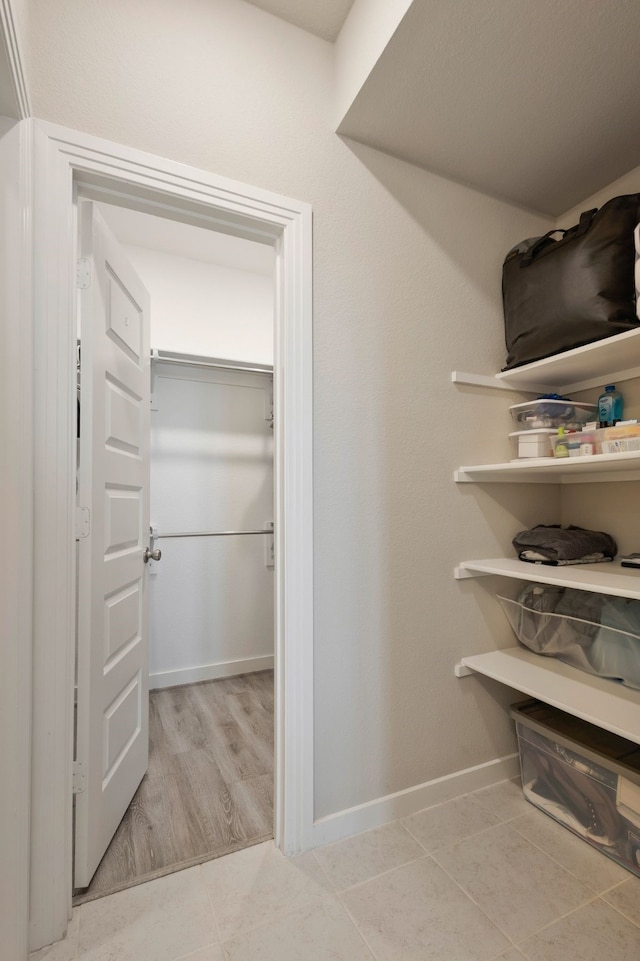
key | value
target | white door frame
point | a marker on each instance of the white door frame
(65, 159)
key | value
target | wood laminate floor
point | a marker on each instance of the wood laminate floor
(209, 786)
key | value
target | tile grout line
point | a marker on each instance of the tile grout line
(400, 821)
(501, 954)
(408, 830)
(357, 927)
(562, 917)
(618, 884)
(209, 901)
(382, 874)
(468, 895)
(597, 894)
(619, 910)
(475, 834)
(593, 894)
(428, 857)
(205, 947)
(475, 903)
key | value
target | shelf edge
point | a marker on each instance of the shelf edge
(616, 708)
(491, 382)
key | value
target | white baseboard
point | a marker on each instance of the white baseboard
(209, 672)
(353, 820)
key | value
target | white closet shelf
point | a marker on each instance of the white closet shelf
(555, 470)
(197, 360)
(595, 699)
(609, 578)
(605, 361)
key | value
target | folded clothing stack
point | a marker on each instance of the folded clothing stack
(557, 546)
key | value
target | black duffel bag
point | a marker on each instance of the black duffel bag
(563, 293)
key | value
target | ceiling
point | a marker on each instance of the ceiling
(322, 17)
(536, 103)
(182, 240)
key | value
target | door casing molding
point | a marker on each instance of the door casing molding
(9, 36)
(16, 518)
(65, 160)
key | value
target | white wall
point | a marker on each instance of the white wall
(406, 287)
(207, 309)
(16, 492)
(369, 26)
(211, 598)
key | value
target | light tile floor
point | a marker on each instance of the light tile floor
(479, 878)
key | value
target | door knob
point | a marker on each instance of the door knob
(151, 555)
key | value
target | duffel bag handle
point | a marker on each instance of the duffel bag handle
(583, 225)
(540, 243)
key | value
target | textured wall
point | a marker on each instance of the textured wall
(364, 35)
(406, 287)
(199, 308)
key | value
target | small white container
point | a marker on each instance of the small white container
(535, 414)
(531, 443)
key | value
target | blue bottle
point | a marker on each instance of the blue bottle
(609, 406)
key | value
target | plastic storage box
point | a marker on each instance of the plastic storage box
(532, 443)
(605, 440)
(577, 444)
(552, 413)
(615, 440)
(583, 777)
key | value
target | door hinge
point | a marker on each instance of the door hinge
(79, 778)
(83, 273)
(83, 522)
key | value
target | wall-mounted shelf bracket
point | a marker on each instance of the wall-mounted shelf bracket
(462, 573)
(461, 669)
(488, 380)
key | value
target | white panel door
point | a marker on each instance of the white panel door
(112, 709)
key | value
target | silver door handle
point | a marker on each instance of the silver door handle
(150, 555)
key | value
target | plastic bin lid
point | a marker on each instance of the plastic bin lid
(552, 403)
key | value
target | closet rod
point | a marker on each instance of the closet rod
(211, 533)
(218, 365)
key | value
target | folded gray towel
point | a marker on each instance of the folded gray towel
(564, 543)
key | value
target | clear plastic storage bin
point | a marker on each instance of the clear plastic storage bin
(535, 414)
(585, 778)
(605, 440)
(577, 444)
(616, 440)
